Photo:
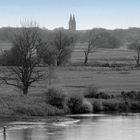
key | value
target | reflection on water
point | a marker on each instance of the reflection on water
(97, 127)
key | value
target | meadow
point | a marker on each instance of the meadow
(5, 45)
(76, 77)
(103, 56)
(77, 80)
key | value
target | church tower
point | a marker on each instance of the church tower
(72, 23)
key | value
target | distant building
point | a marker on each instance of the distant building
(72, 23)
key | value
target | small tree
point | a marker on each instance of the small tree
(136, 47)
(24, 73)
(46, 53)
(63, 44)
(99, 40)
(90, 46)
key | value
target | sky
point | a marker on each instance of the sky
(110, 14)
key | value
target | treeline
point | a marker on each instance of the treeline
(124, 35)
(55, 47)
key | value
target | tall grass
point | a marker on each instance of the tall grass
(26, 106)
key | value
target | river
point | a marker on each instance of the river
(83, 127)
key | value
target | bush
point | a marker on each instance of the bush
(135, 95)
(75, 103)
(92, 92)
(56, 96)
(135, 106)
(124, 106)
(103, 95)
(86, 107)
(97, 106)
(110, 106)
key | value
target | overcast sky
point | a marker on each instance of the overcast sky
(89, 14)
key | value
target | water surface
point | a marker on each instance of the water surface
(84, 127)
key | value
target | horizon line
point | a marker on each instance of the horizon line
(43, 27)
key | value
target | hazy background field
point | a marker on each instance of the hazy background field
(121, 55)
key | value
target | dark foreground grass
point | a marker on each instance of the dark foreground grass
(27, 106)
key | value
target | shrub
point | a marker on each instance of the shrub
(97, 106)
(91, 92)
(110, 106)
(135, 95)
(124, 106)
(103, 95)
(86, 107)
(75, 102)
(106, 65)
(135, 106)
(56, 96)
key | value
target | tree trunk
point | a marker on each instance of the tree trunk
(58, 63)
(25, 90)
(138, 59)
(86, 58)
(137, 63)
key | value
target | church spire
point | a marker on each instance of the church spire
(70, 17)
(74, 18)
(72, 23)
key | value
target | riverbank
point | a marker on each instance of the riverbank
(17, 107)
(46, 119)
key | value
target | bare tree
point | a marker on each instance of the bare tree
(90, 46)
(99, 40)
(136, 47)
(25, 72)
(63, 44)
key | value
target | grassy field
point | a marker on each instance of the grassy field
(5, 45)
(78, 79)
